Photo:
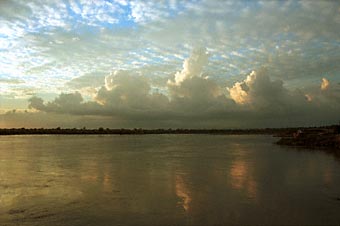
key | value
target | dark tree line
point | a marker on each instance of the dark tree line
(101, 130)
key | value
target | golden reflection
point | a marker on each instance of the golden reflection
(241, 178)
(107, 181)
(89, 171)
(90, 177)
(96, 174)
(183, 192)
(237, 173)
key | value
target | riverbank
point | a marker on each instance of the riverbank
(324, 137)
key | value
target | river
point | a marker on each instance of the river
(165, 180)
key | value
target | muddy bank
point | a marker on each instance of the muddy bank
(313, 137)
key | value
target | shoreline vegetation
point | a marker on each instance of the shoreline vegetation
(138, 131)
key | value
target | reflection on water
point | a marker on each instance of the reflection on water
(182, 192)
(327, 176)
(164, 180)
(242, 179)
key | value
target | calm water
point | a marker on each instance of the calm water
(164, 180)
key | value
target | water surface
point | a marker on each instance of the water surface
(164, 180)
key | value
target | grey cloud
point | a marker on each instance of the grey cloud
(194, 100)
(95, 79)
(260, 91)
(125, 90)
(37, 103)
(129, 95)
(327, 96)
(191, 91)
(11, 81)
(70, 103)
(13, 10)
(259, 95)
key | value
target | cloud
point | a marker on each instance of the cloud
(259, 90)
(127, 91)
(61, 41)
(37, 103)
(191, 91)
(192, 66)
(11, 81)
(270, 100)
(69, 46)
(329, 95)
(324, 84)
(191, 96)
(128, 94)
(66, 103)
(92, 80)
(123, 95)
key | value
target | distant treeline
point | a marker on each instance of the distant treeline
(84, 131)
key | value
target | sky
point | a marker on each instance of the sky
(169, 64)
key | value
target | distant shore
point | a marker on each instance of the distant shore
(76, 131)
(280, 132)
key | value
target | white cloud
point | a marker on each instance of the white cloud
(257, 89)
(192, 66)
(324, 84)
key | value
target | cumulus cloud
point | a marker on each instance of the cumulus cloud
(127, 91)
(329, 95)
(66, 103)
(63, 101)
(124, 95)
(37, 103)
(261, 95)
(324, 84)
(191, 90)
(259, 90)
(192, 66)
(129, 94)
(192, 99)
(239, 92)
